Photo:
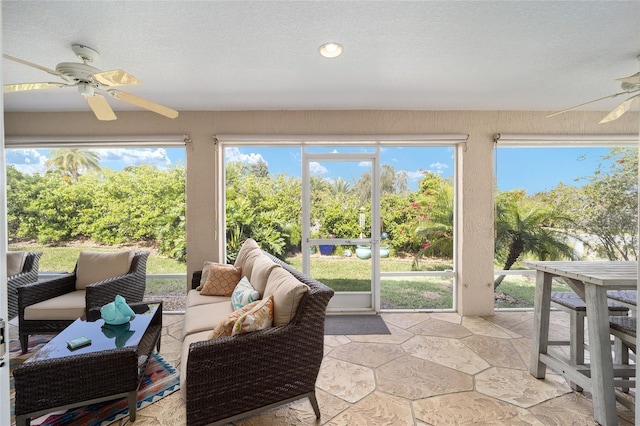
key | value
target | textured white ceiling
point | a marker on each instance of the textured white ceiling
(244, 55)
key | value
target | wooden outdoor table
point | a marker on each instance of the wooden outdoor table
(590, 280)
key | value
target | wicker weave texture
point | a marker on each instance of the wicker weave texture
(233, 375)
(28, 275)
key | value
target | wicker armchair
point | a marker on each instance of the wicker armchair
(28, 275)
(131, 286)
(232, 377)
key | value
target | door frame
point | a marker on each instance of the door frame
(346, 301)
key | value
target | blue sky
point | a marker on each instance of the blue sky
(534, 169)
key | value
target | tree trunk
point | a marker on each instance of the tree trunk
(515, 250)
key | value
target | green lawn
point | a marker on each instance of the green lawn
(339, 273)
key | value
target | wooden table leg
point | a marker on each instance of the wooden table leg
(602, 388)
(541, 311)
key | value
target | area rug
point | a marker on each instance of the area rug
(355, 324)
(160, 379)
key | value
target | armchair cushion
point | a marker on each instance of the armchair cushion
(15, 262)
(95, 266)
(221, 279)
(287, 292)
(69, 306)
(243, 294)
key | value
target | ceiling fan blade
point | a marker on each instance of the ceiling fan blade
(31, 64)
(144, 103)
(620, 109)
(633, 79)
(587, 103)
(115, 78)
(8, 88)
(101, 107)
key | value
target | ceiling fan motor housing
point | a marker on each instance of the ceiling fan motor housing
(78, 72)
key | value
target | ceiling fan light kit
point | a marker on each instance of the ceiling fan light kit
(630, 86)
(90, 81)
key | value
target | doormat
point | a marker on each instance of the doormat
(160, 379)
(355, 324)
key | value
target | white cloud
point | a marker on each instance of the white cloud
(365, 164)
(133, 157)
(234, 154)
(28, 161)
(317, 168)
(438, 167)
(414, 176)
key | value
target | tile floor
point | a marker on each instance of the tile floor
(433, 369)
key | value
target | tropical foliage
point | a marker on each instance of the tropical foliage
(76, 200)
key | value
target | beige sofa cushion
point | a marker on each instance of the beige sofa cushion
(195, 298)
(69, 306)
(15, 262)
(287, 292)
(205, 317)
(262, 267)
(96, 266)
(247, 256)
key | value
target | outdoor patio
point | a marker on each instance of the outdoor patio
(434, 368)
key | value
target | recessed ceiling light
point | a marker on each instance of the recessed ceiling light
(330, 50)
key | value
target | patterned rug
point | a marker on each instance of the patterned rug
(160, 380)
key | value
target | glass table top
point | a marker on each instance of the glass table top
(103, 336)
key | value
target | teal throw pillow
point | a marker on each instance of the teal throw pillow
(243, 294)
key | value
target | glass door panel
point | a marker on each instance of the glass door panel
(339, 220)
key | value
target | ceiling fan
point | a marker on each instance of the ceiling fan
(90, 82)
(630, 86)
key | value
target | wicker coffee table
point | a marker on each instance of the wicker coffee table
(57, 378)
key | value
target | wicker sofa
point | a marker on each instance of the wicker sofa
(228, 378)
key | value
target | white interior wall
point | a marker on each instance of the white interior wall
(475, 174)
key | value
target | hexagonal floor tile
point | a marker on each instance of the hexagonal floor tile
(345, 380)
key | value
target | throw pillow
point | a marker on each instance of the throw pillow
(221, 279)
(243, 294)
(258, 318)
(225, 327)
(96, 266)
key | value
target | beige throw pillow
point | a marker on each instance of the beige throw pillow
(15, 262)
(96, 266)
(287, 292)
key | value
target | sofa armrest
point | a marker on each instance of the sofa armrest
(32, 293)
(195, 279)
(258, 368)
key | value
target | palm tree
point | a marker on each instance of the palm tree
(437, 228)
(528, 227)
(70, 161)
